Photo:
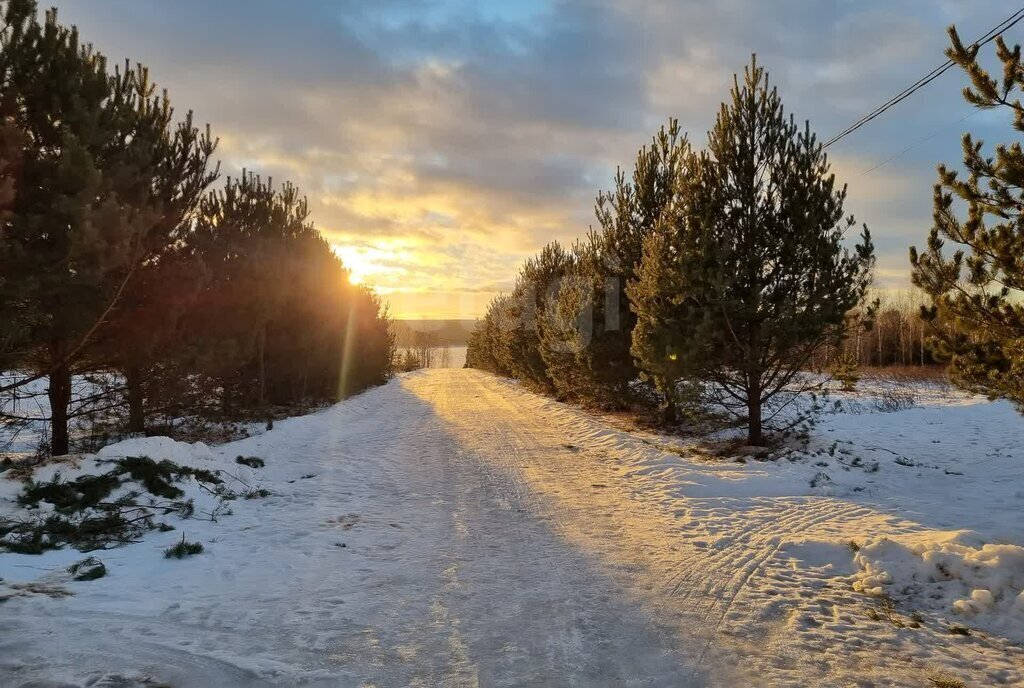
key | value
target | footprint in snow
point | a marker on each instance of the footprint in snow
(346, 522)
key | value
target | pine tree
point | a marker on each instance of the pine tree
(79, 223)
(567, 320)
(602, 368)
(244, 236)
(523, 324)
(172, 174)
(485, 341)
(277, 321)
(976, 312)
(14, 316)
(847, 372)
(746, 277)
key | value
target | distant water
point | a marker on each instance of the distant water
(456, 357)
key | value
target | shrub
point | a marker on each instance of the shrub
(847, 373)
(250, 461)
(183, 549)
(820, 479)
(893, 400)
(946, 681)
(88, 515)
(87, 569)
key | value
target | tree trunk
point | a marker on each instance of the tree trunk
(305, 379)
(922, 343)
(136, 400)
(755, 386)
(225, 399)
(755, 434)
(669, 412)
(59, 394)
(261, 346)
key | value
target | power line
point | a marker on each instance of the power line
(914, 145)
(925, 80)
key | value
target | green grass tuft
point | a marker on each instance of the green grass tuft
(183, 549)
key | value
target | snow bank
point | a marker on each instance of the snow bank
(953, 573)
(158, 448)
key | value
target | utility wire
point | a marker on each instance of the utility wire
(925, 80)
(912, 146)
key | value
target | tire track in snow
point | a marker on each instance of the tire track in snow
(531, 612)
(604, 500)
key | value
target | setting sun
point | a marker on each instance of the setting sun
(512, 343)
(362, 264)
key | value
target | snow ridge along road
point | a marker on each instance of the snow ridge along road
(451, 529)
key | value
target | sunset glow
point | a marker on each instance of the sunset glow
(436, 162)
(511, 342)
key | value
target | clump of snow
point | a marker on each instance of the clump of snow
(951, 572)
(159, 448)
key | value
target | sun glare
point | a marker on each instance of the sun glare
(362, 263)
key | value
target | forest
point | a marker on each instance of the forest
(138, 281)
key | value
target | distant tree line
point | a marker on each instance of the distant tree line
(450, 332)
(419, 349)
(117, 255)
(892, 334)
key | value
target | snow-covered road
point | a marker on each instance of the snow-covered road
(407, 559)
(452, 529)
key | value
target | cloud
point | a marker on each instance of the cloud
(441, 143)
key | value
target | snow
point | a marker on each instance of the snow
(30, 404)
(954, 573)
(29, 401)
(158, 448)
(451, 528)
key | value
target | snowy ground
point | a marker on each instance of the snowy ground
(23, 437)
(450, 528)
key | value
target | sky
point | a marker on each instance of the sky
(442, 143)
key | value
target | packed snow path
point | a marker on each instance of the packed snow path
(451, 529)
(407, 559)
